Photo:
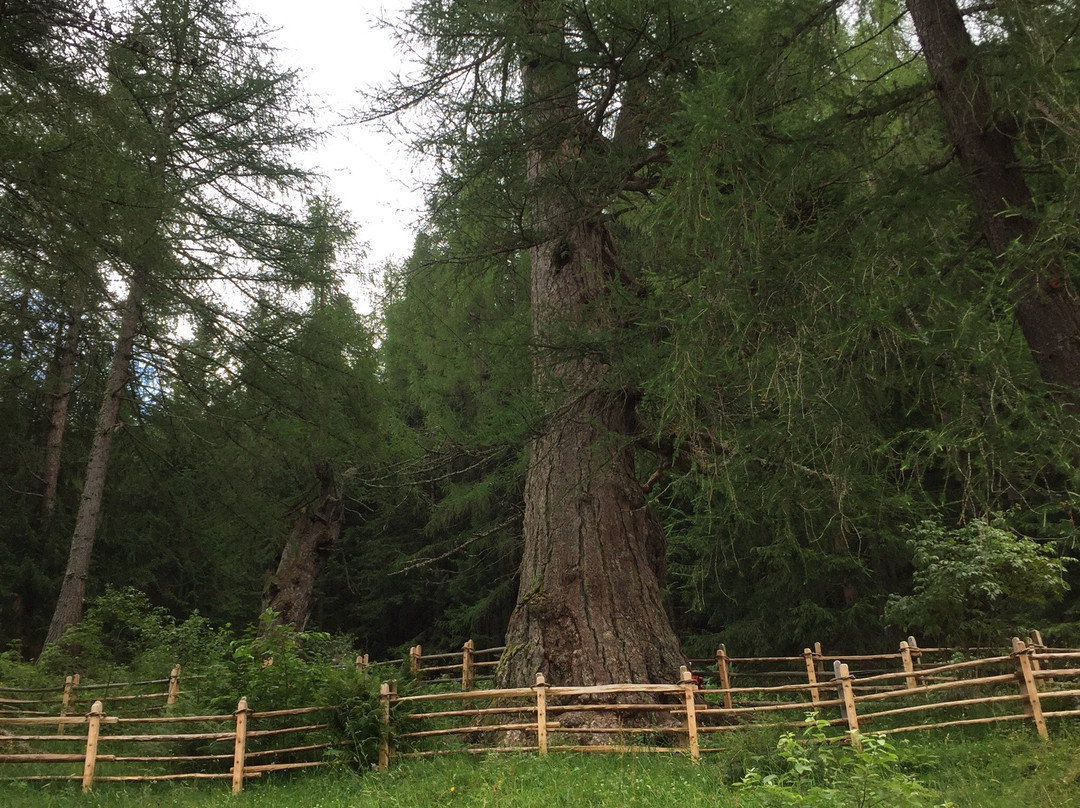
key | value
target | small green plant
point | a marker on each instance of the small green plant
(814, 770)
(357, 717)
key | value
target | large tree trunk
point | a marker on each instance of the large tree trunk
(69, 604)
(61, 398)
(589, 609)
(1046, 308)
(291, 590)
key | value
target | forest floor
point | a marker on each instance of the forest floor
(1000, 770)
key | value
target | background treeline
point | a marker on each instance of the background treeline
(842, 424)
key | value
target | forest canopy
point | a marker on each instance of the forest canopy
(751, 323)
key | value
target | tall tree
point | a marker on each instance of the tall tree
(1046, 306)
(553, 108)
(204, 119)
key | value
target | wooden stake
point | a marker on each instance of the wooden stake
(93, 730)
(916, 654)
(386, 693)
(722, 670)
(69, 685)
(1037, 645)
(414, 661)
(820, 663)
(240, 744)
(811, 675)
(174, 686)
(911, 681)
(467, 665)
(541, 714)
(689, 694)
(362, 663)
(1028, 687)
(846, 694)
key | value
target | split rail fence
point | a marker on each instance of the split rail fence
(59, 700)
(1029, 683)
(42, 733)
(42, 730)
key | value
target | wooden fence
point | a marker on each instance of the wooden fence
(166, 747)
(43, 738)
(62, 699)
(475, 664)
(1027, 684)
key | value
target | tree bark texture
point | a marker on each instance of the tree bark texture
(1045, 305)
(589, 608)
(61, 398)
(69, 604)
(291, 590)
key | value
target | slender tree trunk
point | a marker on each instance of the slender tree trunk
(61, 398)
(1045, 306)
(291, 591)
(73, 590)
(589, 608)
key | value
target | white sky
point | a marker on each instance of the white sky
(339, 51)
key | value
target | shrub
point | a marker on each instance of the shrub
(972, 584)
(814, 771)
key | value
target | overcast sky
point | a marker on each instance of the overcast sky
(340, 51)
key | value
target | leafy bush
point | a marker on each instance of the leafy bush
(277, 667)
(123, 631)
(814, 771)
(973, 584)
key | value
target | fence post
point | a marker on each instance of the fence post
(1037, 644)
(174, 686)
(819, 660)
(722, 671)
(414, 661)
(93, 730)
(467, 665)
(1028, 687)
(362, 663)
(846, 694)
(387, 690)
(541, 714)
(240, 744)
(811, 676)
(911, 680)
(69, 685)
(689, 693)
(916, 653)
(1040, 647)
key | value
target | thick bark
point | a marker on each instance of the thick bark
(61, 397)
(589, 609)
(291, 590)
(1045, 306)
(69, 604)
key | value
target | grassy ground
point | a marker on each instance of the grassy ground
(1000, 770)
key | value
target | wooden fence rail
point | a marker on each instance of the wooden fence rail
(688, 718)
(60, 700)
(471, 663)
(474, 665)
(176, 753)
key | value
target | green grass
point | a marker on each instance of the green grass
(996, 770)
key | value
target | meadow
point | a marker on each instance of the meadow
(995, 769)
